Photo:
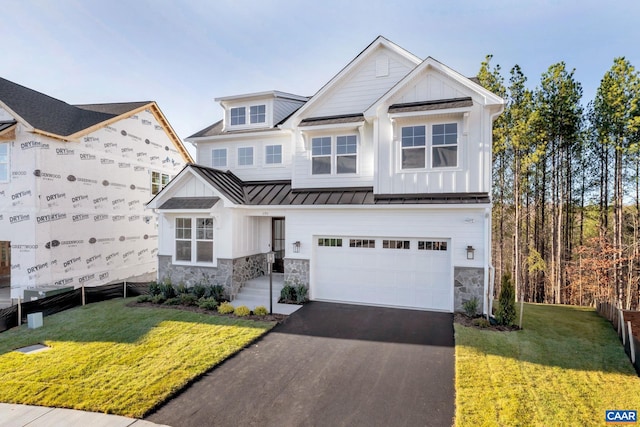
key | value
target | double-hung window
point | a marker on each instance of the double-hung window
(158, 181)
(219, 158)
(346, 154)
(321, 155)
(257, 114)
(273, 154)
(413, 147)
(444, 146)
(4, 162)
(334, 155)
(245, 156)
(238, 116)
(194, 240)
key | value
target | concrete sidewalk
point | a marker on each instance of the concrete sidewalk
(39, 416)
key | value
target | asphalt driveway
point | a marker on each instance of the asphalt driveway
(331, 365)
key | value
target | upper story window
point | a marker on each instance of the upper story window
(238, 116)
(334, 155)
(443, 146)
(245, 156)
(158, 181)
(257, 114)
(219, 158)
(321, 155)
(273, 154)
(4, 162)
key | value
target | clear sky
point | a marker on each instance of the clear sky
(184, 53)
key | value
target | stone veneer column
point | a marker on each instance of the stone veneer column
(296, 272)
(247, 268)
(468, 283)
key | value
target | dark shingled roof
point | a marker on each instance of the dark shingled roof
(116, 108)
(49, 114)
(280, 193)
(330, 120)
(190, 203)
(6, 124)
(440, 104)
(217, 129)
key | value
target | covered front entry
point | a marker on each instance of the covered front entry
(402, 272)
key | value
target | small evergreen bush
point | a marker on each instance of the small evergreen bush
(158, 299)
(216, 292)
(471, 307)
(199, 290)
(242, 311)
(208, 303)
(260, 310)
(481, 322)
(188, 299)
(301, 294)
(225, 308)
(288, 293)
(167, 290)
(144, 298)
(506, 313)
(182, 289)
(154, 289)
(173, 301)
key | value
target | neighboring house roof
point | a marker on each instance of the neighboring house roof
(280, 193)
(57, 119)
(431, 105)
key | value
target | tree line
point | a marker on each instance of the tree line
(566, 185)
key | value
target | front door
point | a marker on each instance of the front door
(277, 244)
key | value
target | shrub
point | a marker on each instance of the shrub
(260, 310)
(182, 289)
(301, 293)
(288, 293)
(506, 313)
(208, 303)
(480, 322)
(158, 299)
(225, 308)
(471, 307)
(216, 292)
(144, 298)
(243, 310)
(199, 290)
(167, 290)
(154, 289)
(173, 301)
(188, 299)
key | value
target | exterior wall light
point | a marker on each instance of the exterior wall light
(296, 247)
(470, 252)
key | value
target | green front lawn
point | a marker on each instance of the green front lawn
(566, 367)
(107, 357)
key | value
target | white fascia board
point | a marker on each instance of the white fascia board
(460, 110)
(435, 206)
(262, 95)
(334, 126)
(271, 133)
(183, 211)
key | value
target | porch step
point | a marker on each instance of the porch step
(255, 292)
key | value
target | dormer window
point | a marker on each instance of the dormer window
(257, 113)
(238, 116)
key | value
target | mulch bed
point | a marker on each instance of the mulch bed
(465, 320)
(634, 318)
(195, 309)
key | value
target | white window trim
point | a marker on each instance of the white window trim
(239, 107)
(428, 124)
(273, 165)
(247, 116)
(162, 174)
(8, 163)
(226, 157)
(334, 154)
(194, 241)
(253, 159)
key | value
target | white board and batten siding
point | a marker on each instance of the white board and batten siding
(410, 277)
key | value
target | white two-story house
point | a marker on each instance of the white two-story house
(375, 190)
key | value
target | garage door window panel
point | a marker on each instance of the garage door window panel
(330, 242)
(396, 244)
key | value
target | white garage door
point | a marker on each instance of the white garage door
(403, 272)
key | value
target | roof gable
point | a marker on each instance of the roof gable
(434, 82)
(367, 77)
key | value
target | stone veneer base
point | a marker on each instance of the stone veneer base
(468, 283)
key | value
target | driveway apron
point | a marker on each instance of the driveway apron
(331, 365)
